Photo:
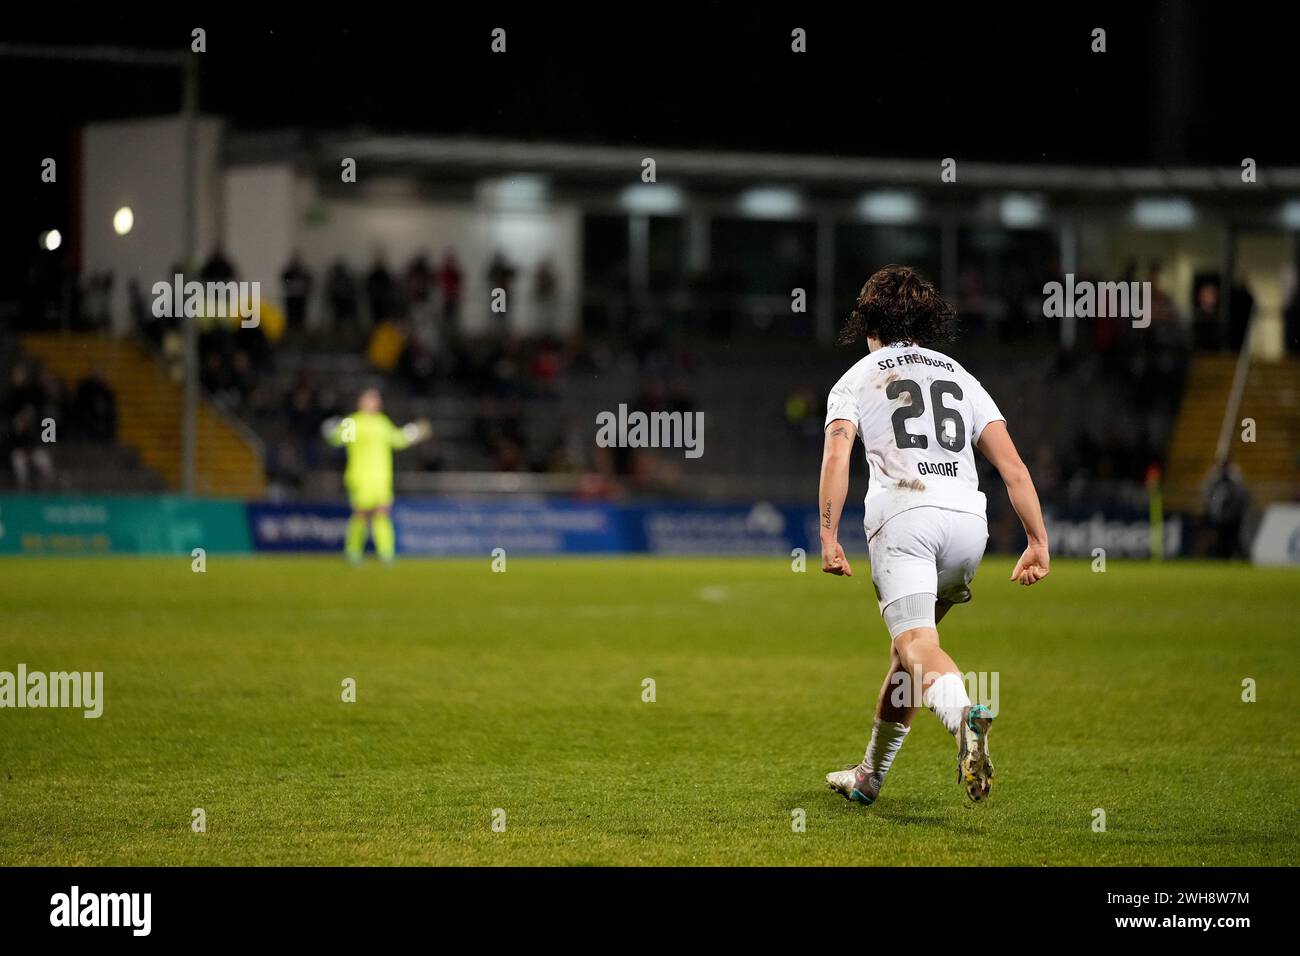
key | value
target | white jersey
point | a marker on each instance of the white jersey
(919, 415)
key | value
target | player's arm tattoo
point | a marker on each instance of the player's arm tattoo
(835, 473)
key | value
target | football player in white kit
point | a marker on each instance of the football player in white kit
(920, 416)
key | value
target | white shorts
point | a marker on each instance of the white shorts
(927, 550)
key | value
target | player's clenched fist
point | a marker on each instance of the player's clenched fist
(833, 559)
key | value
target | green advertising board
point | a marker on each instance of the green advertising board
(99, 524)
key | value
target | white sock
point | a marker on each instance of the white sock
(886, 739)
(947, 697)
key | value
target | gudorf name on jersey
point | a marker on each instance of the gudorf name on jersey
(913, 358)
(947, 469)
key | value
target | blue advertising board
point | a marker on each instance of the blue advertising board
(538, 527)
(297, 527)
(471, 527)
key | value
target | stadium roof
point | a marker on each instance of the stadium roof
(470, 156)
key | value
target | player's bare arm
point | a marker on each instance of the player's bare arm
(996, 445)
(833, 490)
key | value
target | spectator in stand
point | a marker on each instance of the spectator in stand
(419, 281)
(304, 416)
(296, 282)
(381, 292)
(545, 293)
(1165, 349)
(254, 345)
(1107, 329)
(422, 342)
(1227, 501)
(449, 283)
(217, 338)
(24, 411)
(500, 275)
(1207, 329)
(95, 409)
(218, 268)
(341, 289)
(215, 376)
(545, 368)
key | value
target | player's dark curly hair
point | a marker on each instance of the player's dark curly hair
(899, 305)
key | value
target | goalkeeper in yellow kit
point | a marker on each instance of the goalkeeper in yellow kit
(370, 439)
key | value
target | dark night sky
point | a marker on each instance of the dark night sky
(992, 83)
(1179, 82)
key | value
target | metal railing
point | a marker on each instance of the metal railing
(1233, 406)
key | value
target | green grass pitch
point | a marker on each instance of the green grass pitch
(523, 691)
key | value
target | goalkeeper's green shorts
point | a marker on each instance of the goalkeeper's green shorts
(365, 496)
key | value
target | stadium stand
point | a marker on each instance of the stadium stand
(1269, 464)
(149, 409)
